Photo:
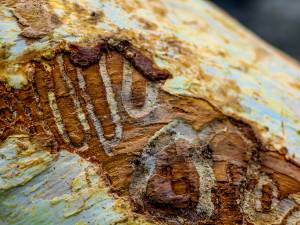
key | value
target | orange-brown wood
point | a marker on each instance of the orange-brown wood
(219, 157)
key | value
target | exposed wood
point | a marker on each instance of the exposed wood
(183, 161)
(94, 137)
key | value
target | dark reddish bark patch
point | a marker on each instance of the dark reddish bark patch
(86, 56)
(142, 63)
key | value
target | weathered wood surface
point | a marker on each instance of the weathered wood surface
(111, 116)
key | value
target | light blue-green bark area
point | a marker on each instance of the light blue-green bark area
(38, 188)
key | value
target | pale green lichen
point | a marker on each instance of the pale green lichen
(17, 81)
(17, 166)
(38, 188)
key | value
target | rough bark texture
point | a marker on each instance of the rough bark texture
(176, 159)
(93, 138)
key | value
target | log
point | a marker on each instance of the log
(144, 112)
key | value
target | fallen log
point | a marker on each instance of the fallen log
(144, 112)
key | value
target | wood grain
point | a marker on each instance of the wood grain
(177, 159)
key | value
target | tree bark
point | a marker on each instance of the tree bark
(97, 131)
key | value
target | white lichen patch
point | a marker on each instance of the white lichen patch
(16, 80)
(9, 27)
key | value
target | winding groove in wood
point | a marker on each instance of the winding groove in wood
(61, 126)
(107, 144)
(151, 94)
(79, 111)
(36, 97)
(212, 171)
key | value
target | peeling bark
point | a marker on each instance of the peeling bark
(179, 162)
(94, 138)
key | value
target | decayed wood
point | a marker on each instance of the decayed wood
(177, 159)
(93, 137)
